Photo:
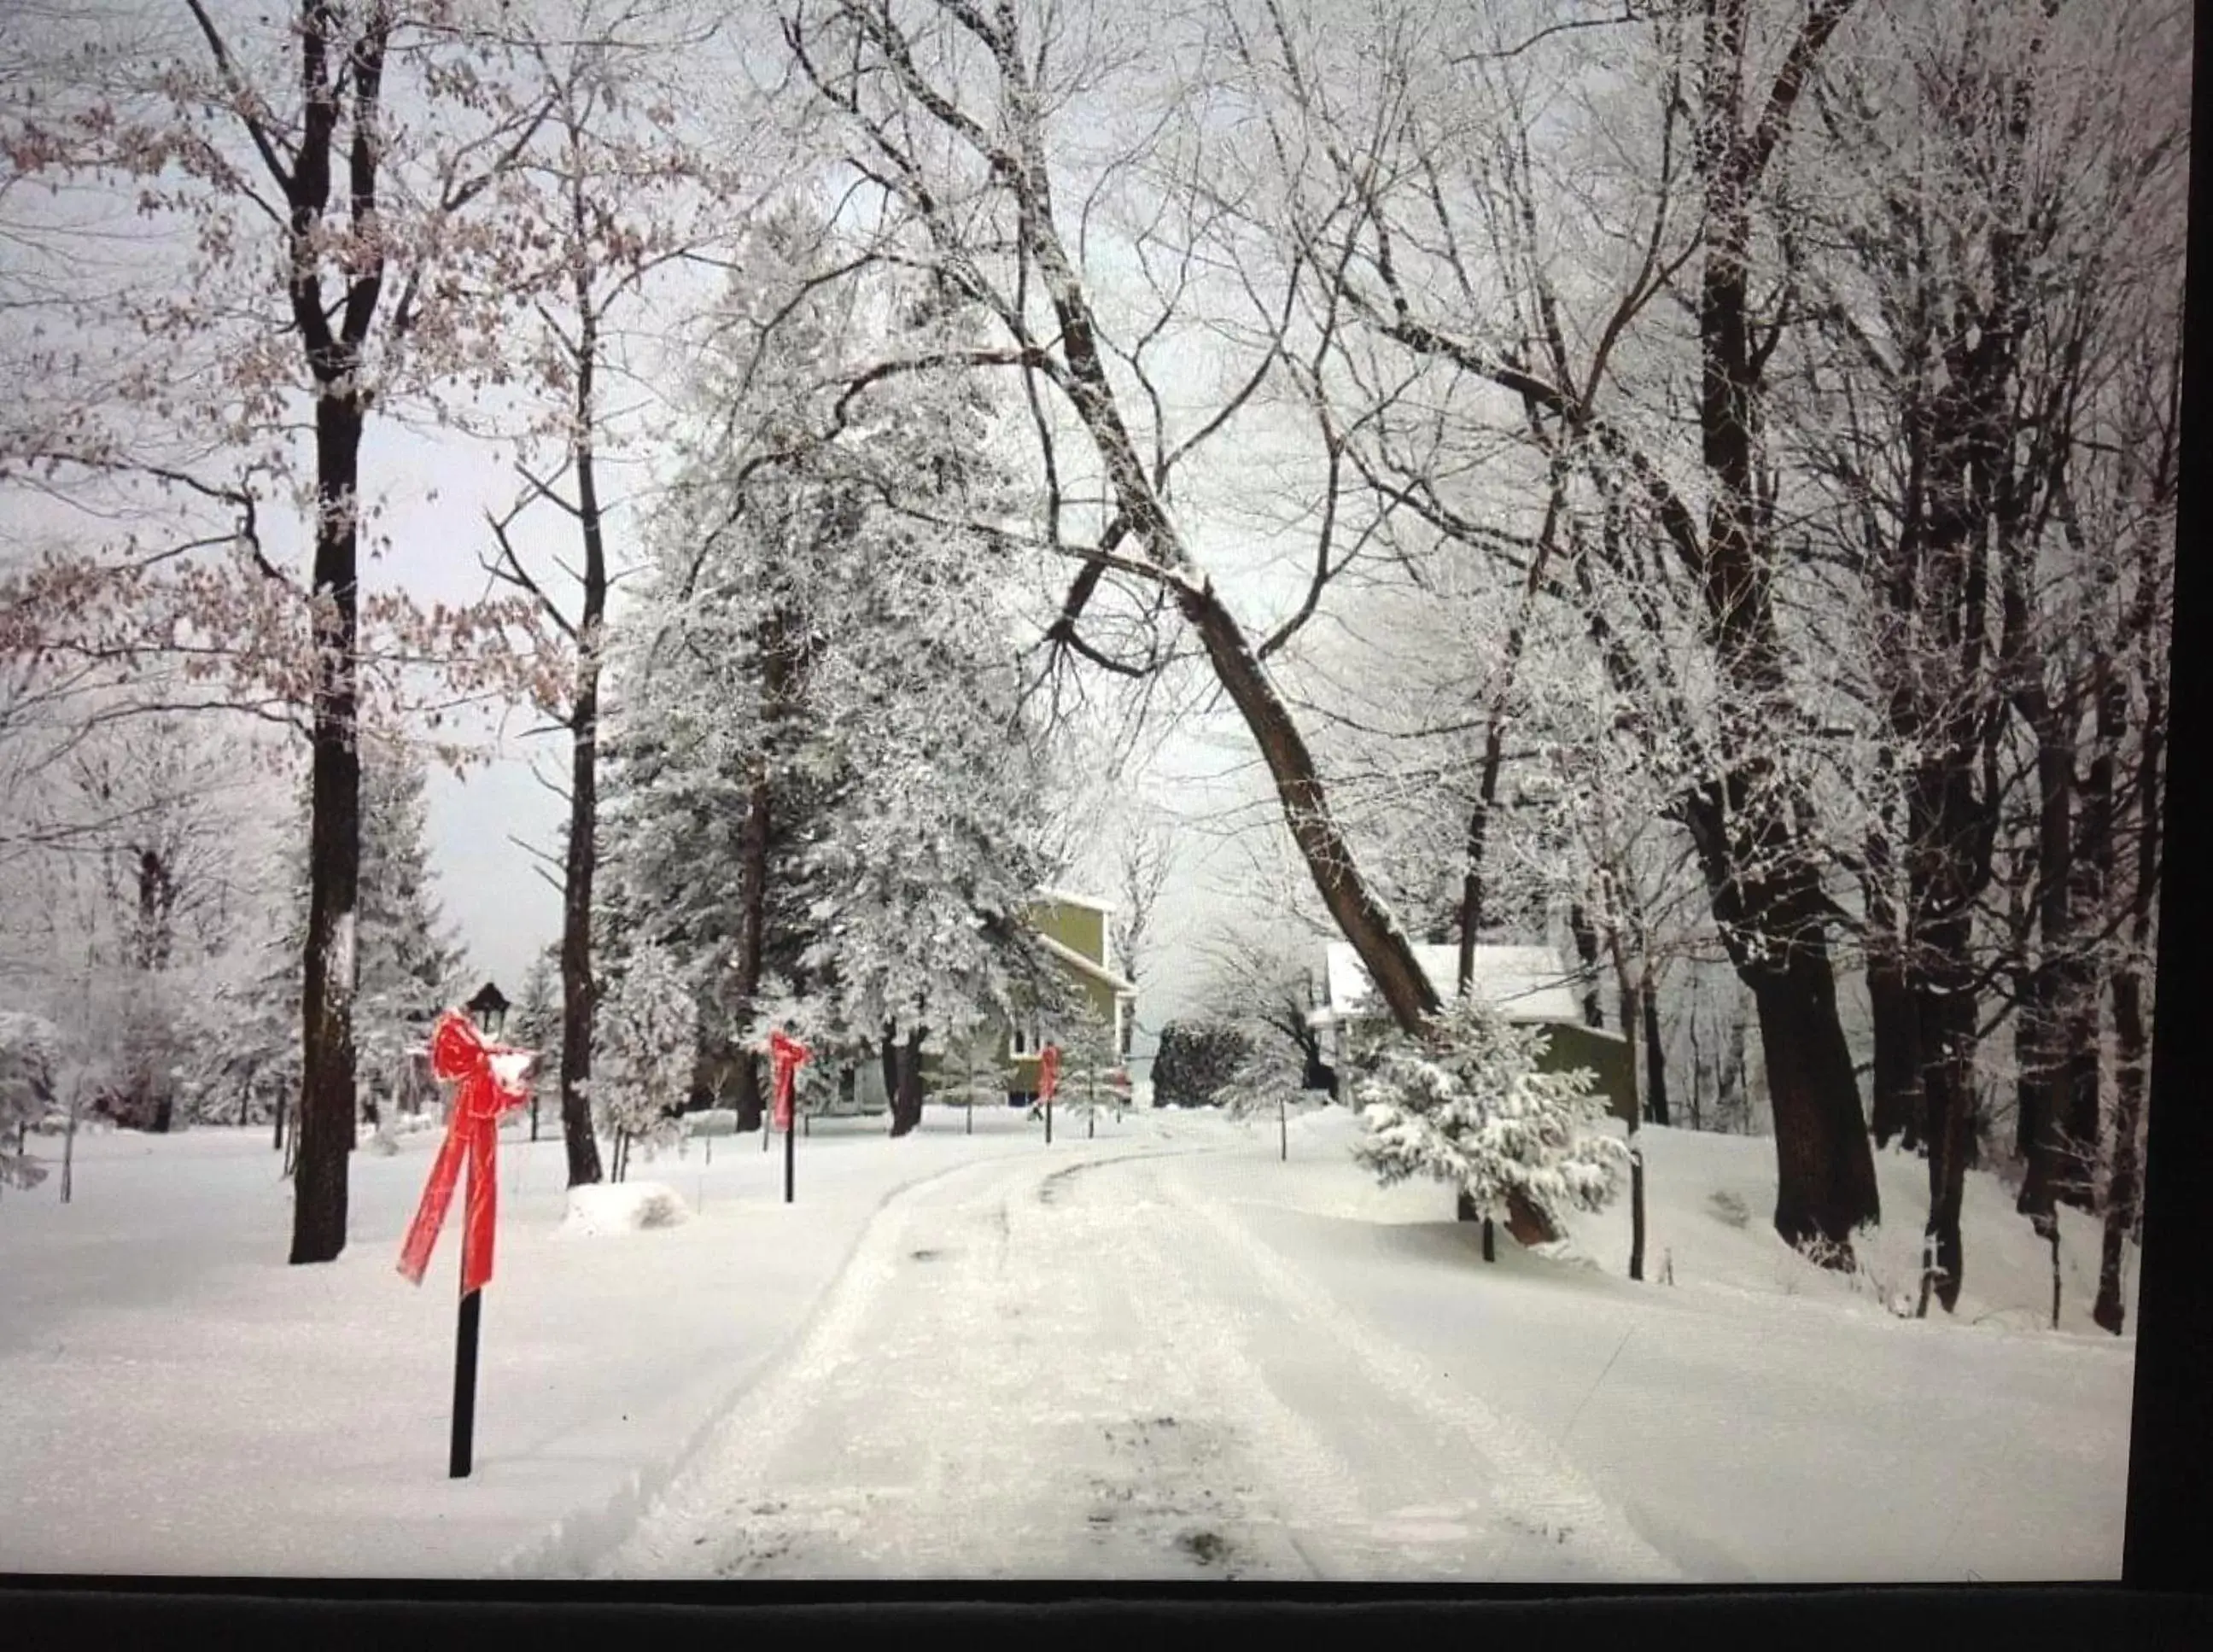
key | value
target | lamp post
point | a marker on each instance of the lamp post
(488, 1009)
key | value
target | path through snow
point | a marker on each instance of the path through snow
(1092, 1370)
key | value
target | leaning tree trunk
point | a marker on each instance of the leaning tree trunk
(1375, 936)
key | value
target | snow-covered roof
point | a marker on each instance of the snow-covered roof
(1065, 898)
(1075, 960)
(1527, 983)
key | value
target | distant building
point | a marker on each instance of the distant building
(1530, 986)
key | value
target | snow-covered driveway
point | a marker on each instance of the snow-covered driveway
(1089, 1369)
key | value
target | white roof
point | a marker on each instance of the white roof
(1063, 898)
(1096, 971)
(1527, 984)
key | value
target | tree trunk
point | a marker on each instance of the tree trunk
(1752, 840)
(1898, 1103)
(1586, 939)
(325, 1129)
(907, 1092)
(2089, 891)
(577, 990)
(1825, 1188)
(1371, 930)
(1655, 1065)
(1373, 934)
(1948, 1081)
(2051, 980)
(2131, 1036)
(324, 1134)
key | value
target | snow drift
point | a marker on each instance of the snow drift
(627, 1207)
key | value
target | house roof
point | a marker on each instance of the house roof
(1527, 983)
(1063, 898)
(1077, 961)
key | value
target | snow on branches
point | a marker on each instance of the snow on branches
(1472, 1110)
(647, 1031)
(29, 1052)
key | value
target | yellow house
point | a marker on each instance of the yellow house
(1075, 933)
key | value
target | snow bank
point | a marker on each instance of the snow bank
(712, 1121)
(604, 1364)
(625, 1207)
(1741, 1406)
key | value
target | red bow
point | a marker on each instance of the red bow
(459, 1052)
(1048, 1070)
(786, 1054)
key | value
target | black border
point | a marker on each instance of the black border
(2167, 1552)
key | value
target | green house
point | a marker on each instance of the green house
(1077, 935)
(1529, 985)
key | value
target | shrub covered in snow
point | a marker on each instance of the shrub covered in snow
(29, 1052)
(647, 1036)
(601, 1208)
(1471, 1109)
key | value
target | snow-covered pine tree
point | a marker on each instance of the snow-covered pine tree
(647, 1037)
(247, 1063)
(1471, 1110)
(920, 872)
(1270, 1083)
(823, 773)
(536, 1023)
(717, 780)
(1092, 1079)
(406, 963)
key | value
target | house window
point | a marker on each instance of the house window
(1024, 1039)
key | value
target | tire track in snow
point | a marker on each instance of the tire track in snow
(1538, 1490)
(925, 1375)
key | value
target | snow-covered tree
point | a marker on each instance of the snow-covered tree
(1471, 1110)
(247, 1059)
(536, 1023)
(648, 1032)
(406, 963)
(822, 768)
(29, 1053)
(1091, 1077)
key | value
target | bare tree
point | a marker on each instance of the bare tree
(625, 198)
(278, 149)
(949, 114)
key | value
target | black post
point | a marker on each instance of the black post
(790, 1137)
(464, 1386)
(1283, 1129)
(1048, 1118)
(969, 1125)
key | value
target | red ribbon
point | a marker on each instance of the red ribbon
(460, 1054)
(786, 1054)
(1048, 1071)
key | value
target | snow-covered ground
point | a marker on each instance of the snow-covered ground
(1160, 1353)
